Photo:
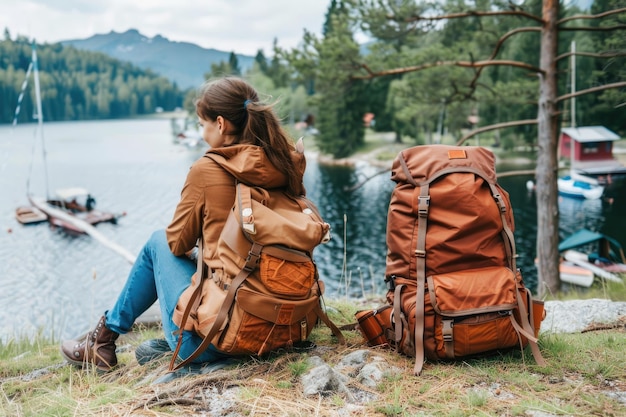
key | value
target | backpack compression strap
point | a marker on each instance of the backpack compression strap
(420, 252)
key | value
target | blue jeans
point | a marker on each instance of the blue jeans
(158, 274)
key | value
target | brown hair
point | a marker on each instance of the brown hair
(254, 122)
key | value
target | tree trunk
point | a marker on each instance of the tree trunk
(547, 163)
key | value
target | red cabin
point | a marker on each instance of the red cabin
(592, 151)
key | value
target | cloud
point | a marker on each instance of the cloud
(243, 26)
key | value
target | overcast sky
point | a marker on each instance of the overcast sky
(243, 26)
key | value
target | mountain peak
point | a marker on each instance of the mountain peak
(182, 62)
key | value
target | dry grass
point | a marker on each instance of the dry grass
(586, 376)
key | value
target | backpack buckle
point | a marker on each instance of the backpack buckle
(446, 330)
(254, 255)
(423, 202)
(500, 202)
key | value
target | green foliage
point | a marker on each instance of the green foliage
(79, 85)
(233, 63)
(261, 61)
(605, 108)
(278, 70)
(340, 99)
(424, 104)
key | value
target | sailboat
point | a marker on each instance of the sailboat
(72, 209)
(576, 185)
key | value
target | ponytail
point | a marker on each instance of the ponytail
(263, 128)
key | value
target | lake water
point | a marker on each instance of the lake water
(62, 284)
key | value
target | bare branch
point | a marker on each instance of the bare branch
(520, 13)
(591, 54)
(515, 173)
(507, 35)
(466, 64)
(496, 49)
(591, 90)
(495, 127)
(594, 29)
(592, 16)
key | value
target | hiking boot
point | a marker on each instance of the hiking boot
(98, 348)
(151, 349)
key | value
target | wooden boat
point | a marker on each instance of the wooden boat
(30, 215)
(574, 274)
(73, 223)
(69, 203)
(596, 252)
(582, 260)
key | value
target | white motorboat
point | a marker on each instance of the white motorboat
(579, 186)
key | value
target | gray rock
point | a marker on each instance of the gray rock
(324, 380)
(370, 375)
(315, 361)
(355, 359)
(577, 315)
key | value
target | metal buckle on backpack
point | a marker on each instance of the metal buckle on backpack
(422, 206)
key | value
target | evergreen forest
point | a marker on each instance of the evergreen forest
(78, 85)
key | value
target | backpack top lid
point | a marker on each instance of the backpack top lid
(419, 163)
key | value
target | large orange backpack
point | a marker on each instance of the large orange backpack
(453, 286)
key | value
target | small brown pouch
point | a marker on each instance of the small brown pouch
(375, 325)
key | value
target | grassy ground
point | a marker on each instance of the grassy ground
(585, 375)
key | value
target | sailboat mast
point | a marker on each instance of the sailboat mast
(573, 85)
(40, 115)
(572, 104)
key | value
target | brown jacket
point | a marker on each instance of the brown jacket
(209, 194)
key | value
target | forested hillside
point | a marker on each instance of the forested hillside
(79, 85)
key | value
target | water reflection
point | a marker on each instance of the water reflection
(580, 214)
(358, 219)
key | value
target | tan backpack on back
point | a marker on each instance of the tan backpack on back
(268, 295)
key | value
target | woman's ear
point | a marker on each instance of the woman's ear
(221, 124)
